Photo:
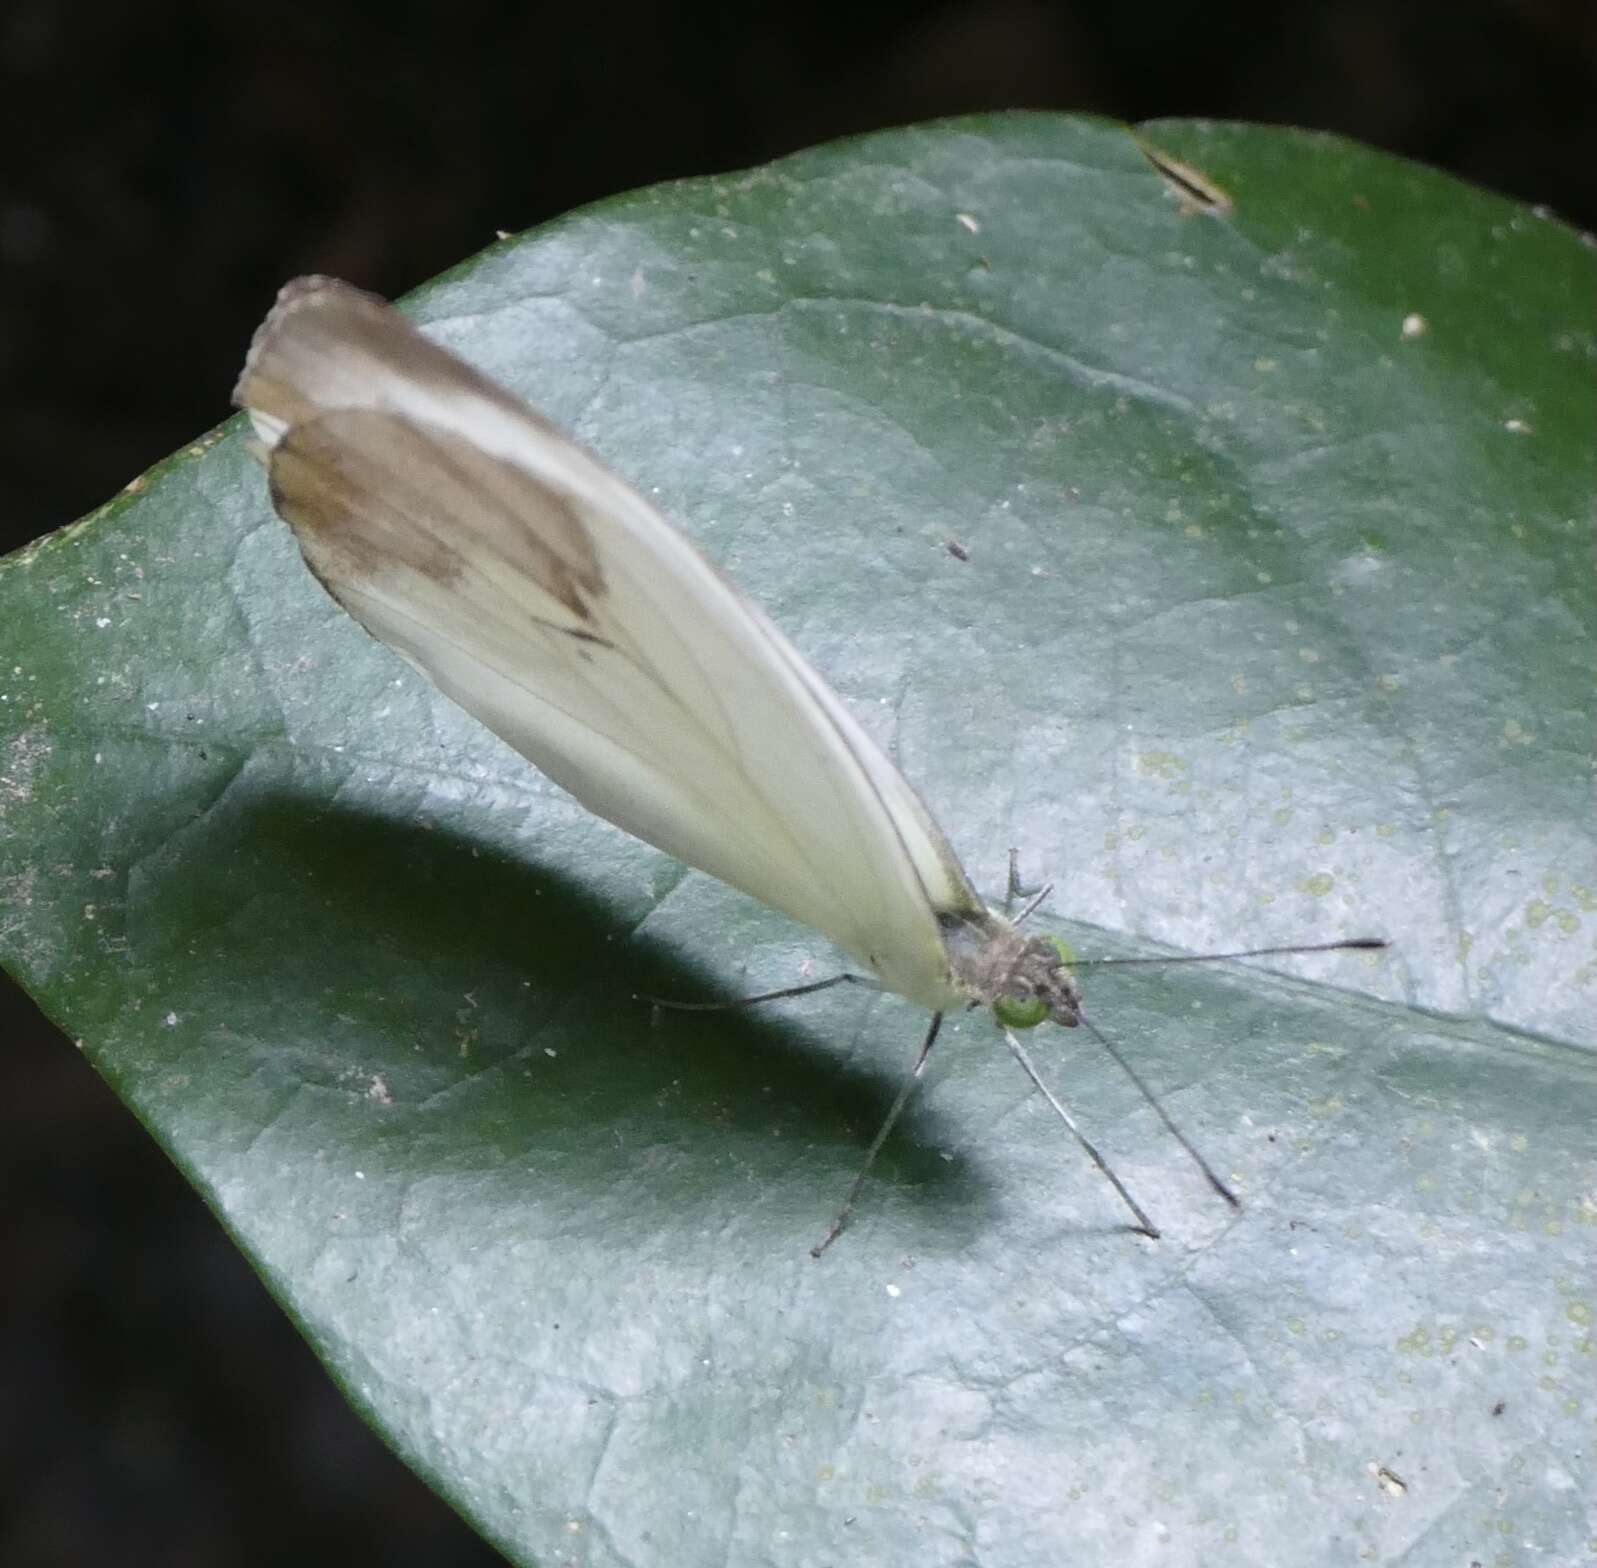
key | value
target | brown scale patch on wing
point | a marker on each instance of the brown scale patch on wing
(372, 497)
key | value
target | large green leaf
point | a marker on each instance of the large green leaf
(1276, 624)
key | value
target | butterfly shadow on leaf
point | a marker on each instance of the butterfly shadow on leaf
(448, 1012)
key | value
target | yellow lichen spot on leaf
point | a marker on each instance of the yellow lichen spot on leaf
(1161, 764)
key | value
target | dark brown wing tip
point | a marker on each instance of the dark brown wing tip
(297, 295)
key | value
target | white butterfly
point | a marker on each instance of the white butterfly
(549, 599)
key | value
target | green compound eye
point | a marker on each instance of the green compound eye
(1020, 1012)
(1066, 955)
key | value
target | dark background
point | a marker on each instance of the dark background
(169, 166)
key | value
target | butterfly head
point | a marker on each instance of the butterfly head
(1038, 987)
(1025, 980)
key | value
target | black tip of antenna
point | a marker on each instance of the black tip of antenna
(1367, 944)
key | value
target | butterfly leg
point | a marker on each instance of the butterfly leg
(1144, 1224)
(1035, 894)
(659, 1002)
(1175, 1132)
(881, 1137)
(1016, 888)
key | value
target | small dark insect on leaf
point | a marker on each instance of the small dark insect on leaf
(1499, 1407)
(956, 549)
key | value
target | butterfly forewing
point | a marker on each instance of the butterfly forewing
(554, 603)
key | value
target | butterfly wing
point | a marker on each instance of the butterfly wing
(550, 600)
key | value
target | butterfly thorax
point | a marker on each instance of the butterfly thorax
(995, 965)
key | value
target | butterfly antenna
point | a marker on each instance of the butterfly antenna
(1144, 1224)
(1357, 944)
(893, 1114)
(1352, 944)
(1164, 1116)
